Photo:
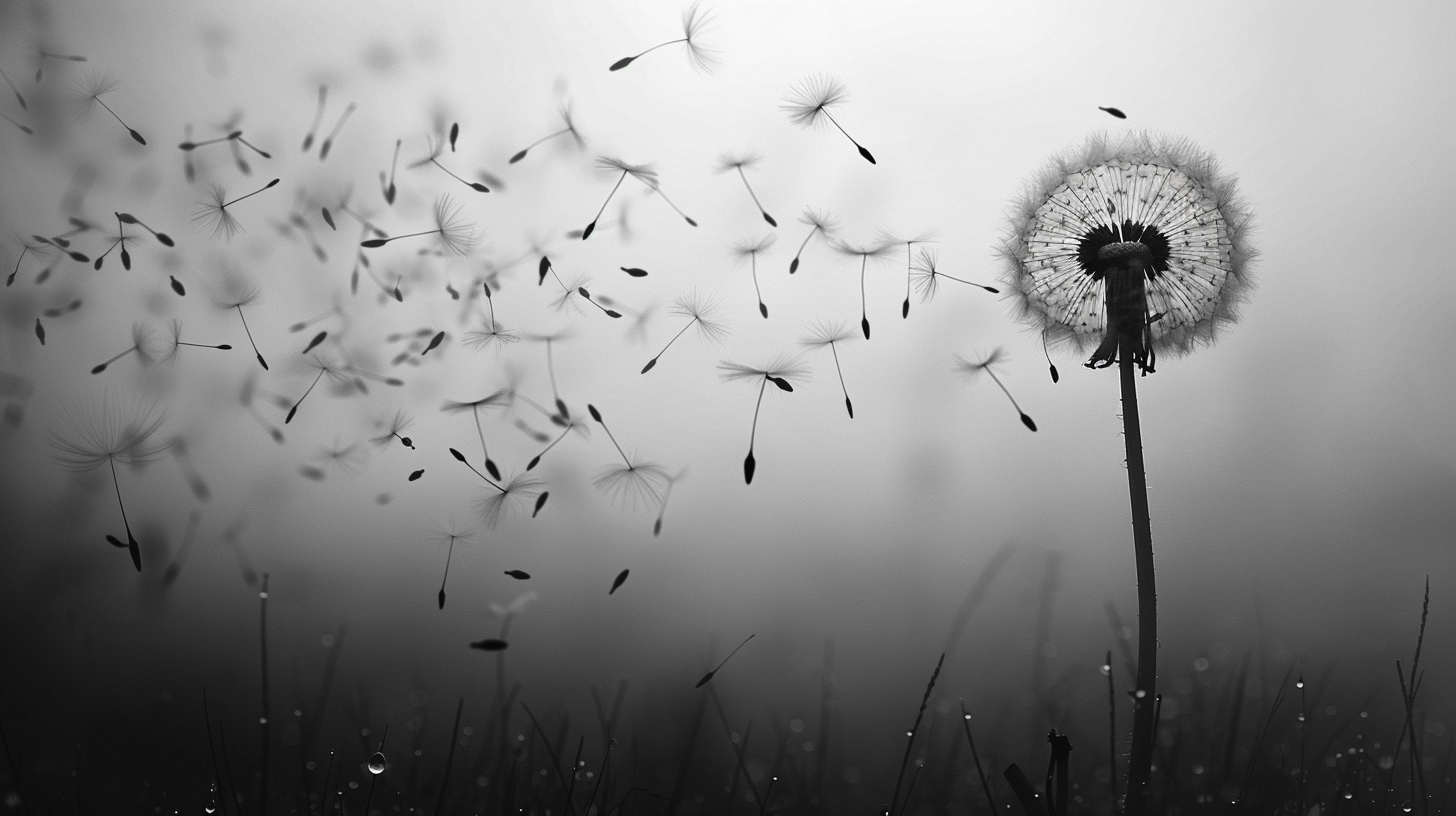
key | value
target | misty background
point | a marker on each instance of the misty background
(1301, 470)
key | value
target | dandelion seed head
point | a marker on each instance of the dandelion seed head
(785, 367)
(120, 431)
(94, 85)
(822, 219)
(925, 275)
(728, 162)
(515, 493)
(971, 367)
(642, 172)
(1164, 193)
(395, 425)
(807, 101)
(456, 233)
(825, 332)
(752, 246)
(704, 310)
(495, 399)
(213, 214)
(630, 485)
(695, 21)
(868, 251)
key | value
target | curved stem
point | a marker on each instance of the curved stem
(1140, 763)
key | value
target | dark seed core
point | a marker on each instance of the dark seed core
(1102, 246)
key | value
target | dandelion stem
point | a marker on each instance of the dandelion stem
(753, 265)
(588, 231)
(450, 553)
(756, 202)
(249, 195)
(847, 404)
(131, 542)
(476, 472)
(294, 409)
(660, 45)
(1139, 770)
(862, 151)
(864, 320)
(263, 721)
(603, 423)
(481, 188)
(794, 265)
(542, 139)
(653, 361)
(749, 463)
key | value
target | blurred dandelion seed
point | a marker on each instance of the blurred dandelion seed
(451, 532)
(666, 494)
(808, 105)
(509, 495)
(701, 311)
(730, 162)
(749, 249)
(394, 429)
(1138, 244)
(694, 22)
(318, 117)
(334, 134)
(864, 252)
(141, 345)
(970, 368)
(495, 399)
(118, 433)
(782, 371)
(635, 480)
(457, 235)
(609, 164)
(830, 333)
(570, 128)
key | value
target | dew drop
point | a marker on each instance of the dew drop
(377, 763)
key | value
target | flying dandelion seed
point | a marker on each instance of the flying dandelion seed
(701, 311)
(119, 433)
(141, 346)
(328, 141)
(394, 429)
(495, 399)
(694, 22)
(570, 128)
(730, 162)
(909, 263)
(642, 172)
(334, 372)
(926, 275)
(809, 102)
(451, 533)
(831, 333)
(509, 494)
(782, 372)
(318, 117)
(237, 293)
(493, 331)
(970, 368)
(175, 343)
(750, 249)
(213, 213)
(632, 482)
(662, 505)
(709, 675)
(93, 88)
(436, 149)
(568, 424)
(1136, 244)
(864, 252)
(456, 234)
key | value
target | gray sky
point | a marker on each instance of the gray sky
(1306, 462)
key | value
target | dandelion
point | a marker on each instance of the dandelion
(334, 134)
(26, 129)
(93, 88)
(121, 242)
(635, 480)
(971, 368)
(642, 172)
(750, 250)
(237, 293)
(175, 343)
(809, 102)
(437, 147)
(451, 532)
(709, 675)
(781, 372)
(550, 339)
(318, 117)
(509, 493)
(495, 399)
(662, 505)
(729, 162)
(494, 331)
(141, 345)
(1133, 245)
(570, 128)
(701, 311)
(864, 252)
(909, 263)
(456, 233)
(568, 424)
(214, 215)
(162, 238)
(334, 372)
(387, 184)
(394, 429)
(926, 275)
(124, 435)
(606, 310)
(694, 22)
(821, 223)
(827, 333)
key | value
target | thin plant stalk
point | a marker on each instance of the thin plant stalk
(1139, 770)
(263, 721)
